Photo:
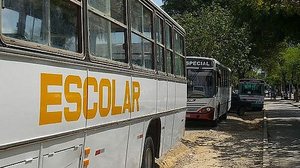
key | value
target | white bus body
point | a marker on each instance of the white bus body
(209, 89)
(252, 91)
(63, 105)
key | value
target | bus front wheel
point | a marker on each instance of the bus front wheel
(148, 154)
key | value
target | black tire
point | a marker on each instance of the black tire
(148, 154)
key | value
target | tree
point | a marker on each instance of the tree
(243, 34)
(211, 32)
(291, 66)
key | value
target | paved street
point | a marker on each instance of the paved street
(283, 134)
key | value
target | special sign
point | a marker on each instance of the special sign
(130, 98)
(190, 62)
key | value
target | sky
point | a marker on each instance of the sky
(158, 2)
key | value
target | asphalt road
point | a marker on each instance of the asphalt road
(283, 134)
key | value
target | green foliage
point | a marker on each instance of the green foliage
(291, 64)
(212, 32)
(274, 77)
(243, 34)
(287, 69)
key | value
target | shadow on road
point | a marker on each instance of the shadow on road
(240, 122)
(283, 127)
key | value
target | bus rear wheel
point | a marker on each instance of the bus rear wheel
(148, 154)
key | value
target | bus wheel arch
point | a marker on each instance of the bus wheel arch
(154, 131)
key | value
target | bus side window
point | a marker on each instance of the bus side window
(107, 39)
(160, 57)
(112, 8)
(169, 52)
(169, 62)
(65, 25)
(179, 65)
(179, 58)
(141, 36)
(29, 20)
(25, 20)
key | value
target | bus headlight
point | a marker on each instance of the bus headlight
(206, 110)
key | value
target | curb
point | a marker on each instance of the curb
(266, 161)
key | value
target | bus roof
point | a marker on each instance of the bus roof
(211, 59)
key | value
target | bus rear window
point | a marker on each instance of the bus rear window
(251, 89)
(54, 23)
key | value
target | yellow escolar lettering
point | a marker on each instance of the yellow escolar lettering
(104, 111)
(72, 97)
(126, 104)
(47, 98)
(136, 95)
(89, 113)
(105, 106)
(116, 110)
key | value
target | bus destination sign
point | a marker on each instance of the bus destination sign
(199, 63)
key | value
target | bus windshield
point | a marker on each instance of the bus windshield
(251, 88)
(200, 83)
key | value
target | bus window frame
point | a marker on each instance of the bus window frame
(171, 49)
(22, 44)
(175, 30)
(103, 60)
(162, 45)
(144, 37)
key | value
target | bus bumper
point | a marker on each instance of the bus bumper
(200, 116)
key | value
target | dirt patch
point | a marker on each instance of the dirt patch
(236, 142)
(194, 150)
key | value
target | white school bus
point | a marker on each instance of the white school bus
(89, 83)
(209, 89)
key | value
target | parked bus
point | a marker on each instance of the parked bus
(89, 83)
(252, 91)
(209, 90)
